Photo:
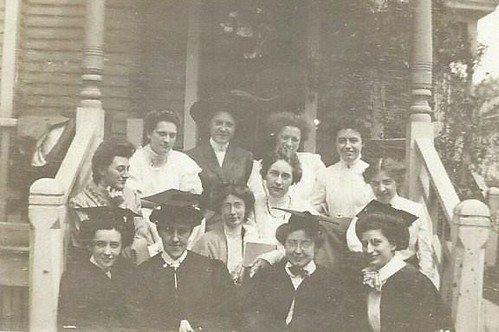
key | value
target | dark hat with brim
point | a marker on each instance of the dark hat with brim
(404, 217)
(241, 105)
(299, 220)
(175, 208)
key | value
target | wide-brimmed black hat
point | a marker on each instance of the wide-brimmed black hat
(175, 207)
(241, 105)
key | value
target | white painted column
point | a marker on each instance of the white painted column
(419, 122)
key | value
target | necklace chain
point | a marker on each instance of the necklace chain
(269, 209)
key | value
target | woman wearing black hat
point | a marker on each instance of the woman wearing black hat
(395, 296)
(179, 290)
(220, 159)
(296, 294)
(91, 296)
(385, 177)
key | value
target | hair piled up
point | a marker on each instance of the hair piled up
(239, 190)
(392, 167)
(392, 228)
(105, 153)
(290, 158)
(277, 121)
(152, 119)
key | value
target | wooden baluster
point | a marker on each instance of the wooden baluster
(419, 124)
(469, 236)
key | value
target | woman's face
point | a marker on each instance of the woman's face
(377, 248)
(163, 137)
(116, 174)
(106, 247)
(348, 145)
(300, 248)
(233, 211)
(279, 178)
(222, 127)
(288, 139)
(384, 187)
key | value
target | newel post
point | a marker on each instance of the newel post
(493, 201)
(46, 216)
(469, 237)
(419, 123)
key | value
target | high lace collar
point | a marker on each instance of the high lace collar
(154, 159)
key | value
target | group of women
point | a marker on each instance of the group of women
(380, 257)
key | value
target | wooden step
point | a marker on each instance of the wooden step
(15, 268)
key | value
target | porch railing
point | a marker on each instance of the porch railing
(48, 218)
(461, 231)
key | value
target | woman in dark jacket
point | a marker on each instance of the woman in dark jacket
(221, 160)
(91, 296)
(394, 296)
(296, 294)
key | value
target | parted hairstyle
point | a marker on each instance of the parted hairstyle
(296, 223)
(105, 153)
(239, 190)
(152, 119)
(392, 167)
(277, 121)
(290, 158)
(90, 227)
(390, 226)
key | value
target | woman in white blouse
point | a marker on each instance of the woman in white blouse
(385, 176)
(288, 130)
(279, 171)
(340, 190)
(156, 167)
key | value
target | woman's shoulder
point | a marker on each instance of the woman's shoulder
(183, 160)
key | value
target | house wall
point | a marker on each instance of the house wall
(51, 53)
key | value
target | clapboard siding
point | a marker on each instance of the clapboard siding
(52, 51)
(144, 58)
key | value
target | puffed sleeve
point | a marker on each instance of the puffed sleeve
(318, 198)
(189, 179)
(255, 181)
(353, 242)
(135, 172)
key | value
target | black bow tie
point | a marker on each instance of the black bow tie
(298, 271)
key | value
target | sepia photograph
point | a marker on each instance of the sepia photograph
(249, 165)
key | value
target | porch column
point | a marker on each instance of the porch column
(93, 54)
(313, 69)
(7, 86)
(93, 67)
(192, 72)
(419, 121)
